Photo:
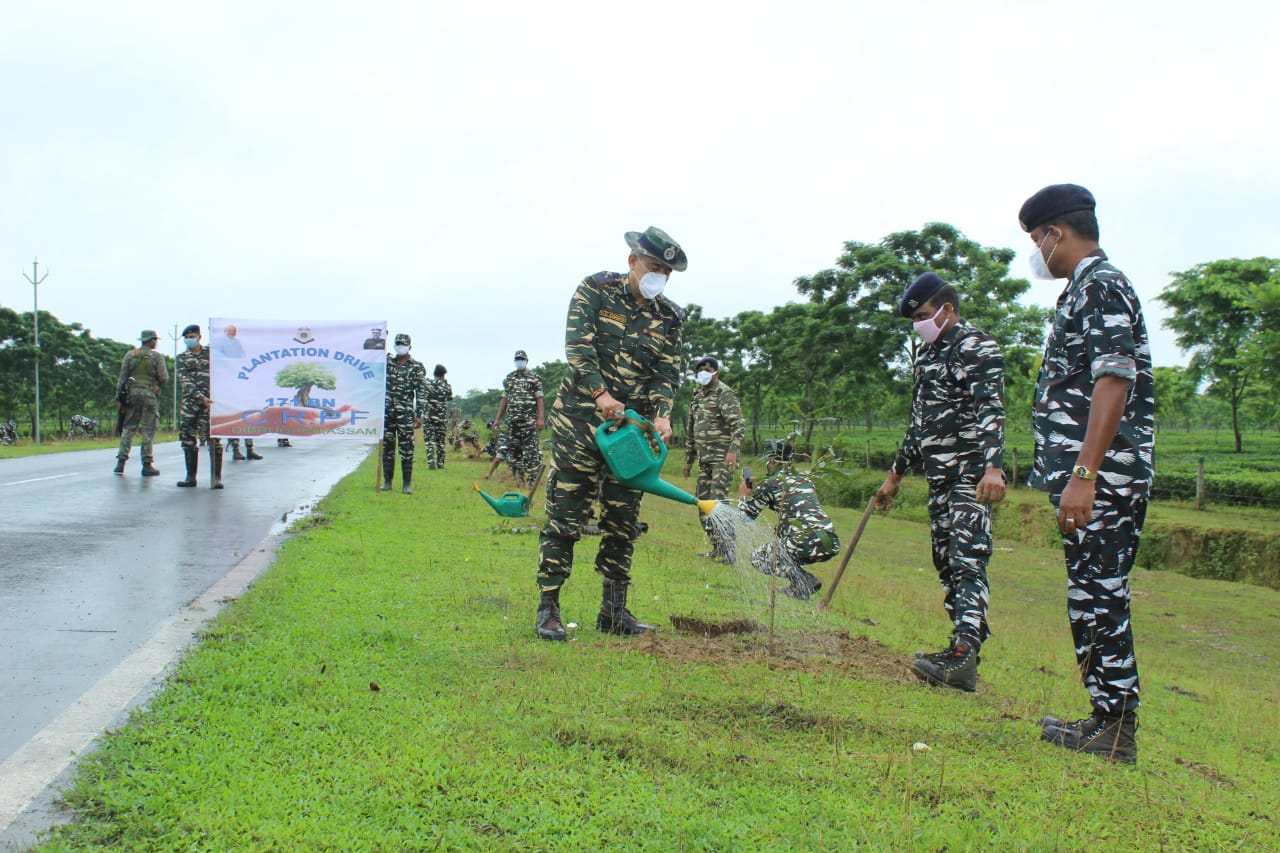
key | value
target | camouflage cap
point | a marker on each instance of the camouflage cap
(402, 338)
(656, 243)
(522, 354)
(148, 335)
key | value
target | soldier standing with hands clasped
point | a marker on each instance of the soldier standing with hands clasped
(713, 434)
(193, 424)
(1094, 424)
(142, 376)
(622, 342)
(957, 434)
(406, 397)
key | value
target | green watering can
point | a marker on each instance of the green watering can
(511, 504)
(634, 453)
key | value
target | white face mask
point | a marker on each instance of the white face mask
(521, 364)
(651, 284)
(402, 349)
(928, 329)
(705, 377)
(1040, 264)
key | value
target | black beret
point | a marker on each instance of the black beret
(1052, 202)
(440, 371)
(657, 243)
(920, 292)
(193, 328)
(708, 359)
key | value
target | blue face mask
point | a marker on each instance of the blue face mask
(191, 343)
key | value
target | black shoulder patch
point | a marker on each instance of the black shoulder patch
(603, 277)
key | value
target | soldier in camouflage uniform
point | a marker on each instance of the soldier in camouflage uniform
(957, 435)
(522, 397)
(406, 398)
(435, 414)
(805, 533)
(1094, 414)
(713, 434)
(142, 376)
(622, 342)
(193, 421)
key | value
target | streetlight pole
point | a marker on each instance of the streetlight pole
(35, 278)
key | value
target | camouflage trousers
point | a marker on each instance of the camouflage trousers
(139, 417)
(796, 548)
(523, 454)
(577, 471)
(193, 426)
(1099, 559)
(397, 428)
(960, 530)
(433, 432)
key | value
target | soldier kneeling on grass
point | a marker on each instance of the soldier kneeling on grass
(805, 533)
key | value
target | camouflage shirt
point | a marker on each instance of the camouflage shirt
(715, 421)
(793, 497)
(438, 395)
(406, 387)
(622, 344)
(957, 406)
(1098, 331)
(193, 374)
(522, 389)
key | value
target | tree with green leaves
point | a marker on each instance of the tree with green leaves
(304, 376)
(870, 278)
(1218, 316)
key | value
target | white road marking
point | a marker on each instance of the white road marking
(40, 479)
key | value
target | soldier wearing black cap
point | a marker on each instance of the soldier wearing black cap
(713, 434)
(193, 421)
(406, 397)
(956, 435)
(622, 342)
(435, 416)
(142, 376)
(1093, 417)
(522, 398)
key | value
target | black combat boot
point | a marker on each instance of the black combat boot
(803, 585)
(1111, 737)
(236, 455)
(937, 656)
(548, 623)
(406, 476)
(215, 464)
(283, 442)
(149, 470)
(388, 471)
(120, 460)
(192, 456)
(614, 617)
(957, 668)
(251, 453)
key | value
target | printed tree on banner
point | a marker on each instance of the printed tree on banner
(304, 377)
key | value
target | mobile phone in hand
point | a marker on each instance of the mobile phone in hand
(746, 476)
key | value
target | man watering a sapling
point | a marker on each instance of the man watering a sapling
(622, 342)
(957, 434)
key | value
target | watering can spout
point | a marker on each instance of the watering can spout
(511, 504)
(705, 507)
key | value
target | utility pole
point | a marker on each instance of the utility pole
(174, 423)
(35, 278)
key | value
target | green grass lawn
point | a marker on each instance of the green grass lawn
(381, 688)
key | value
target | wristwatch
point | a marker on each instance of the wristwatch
(1084, 473)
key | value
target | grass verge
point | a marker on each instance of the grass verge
(380, 688)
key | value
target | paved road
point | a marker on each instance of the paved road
(93, 565)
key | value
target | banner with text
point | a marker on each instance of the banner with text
(297, 380)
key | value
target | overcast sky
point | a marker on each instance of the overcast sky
(458, 167)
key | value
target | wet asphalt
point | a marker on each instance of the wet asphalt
(93, 564)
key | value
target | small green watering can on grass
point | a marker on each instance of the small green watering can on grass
(634, 453)
(511, 504)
